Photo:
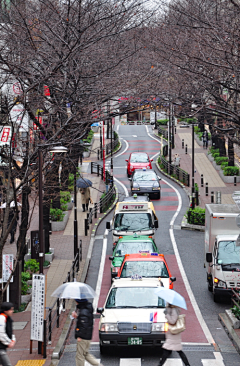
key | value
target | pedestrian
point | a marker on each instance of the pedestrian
(173, 341)
(205, 139)
(7, 338)
(86, 197)
(14, 225)
(83, 333)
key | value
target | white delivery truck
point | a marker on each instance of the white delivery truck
(222, 250)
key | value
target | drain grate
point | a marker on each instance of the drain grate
(199, 348)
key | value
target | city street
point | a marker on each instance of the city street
(204, 341)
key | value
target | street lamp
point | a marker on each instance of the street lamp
(55, 149)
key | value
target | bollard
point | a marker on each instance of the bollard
(235, 180)
(175, 129)
(218, 197)
(98, 153)
(95, 210)
(90, 214)
(206, 189)
(182, 143)
(212, 197)
(202, 183)
(186, 149)
(86, 226)
(197, 198)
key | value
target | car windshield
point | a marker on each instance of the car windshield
(134, 297)
(139, 158)
(228, 252)
(141, 176)
(133, 247)
(144, 269)
(133, 221)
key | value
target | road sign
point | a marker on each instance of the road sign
(7, 267)
(38, 304)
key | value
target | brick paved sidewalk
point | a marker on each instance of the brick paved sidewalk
(62, 242)
(202, 166)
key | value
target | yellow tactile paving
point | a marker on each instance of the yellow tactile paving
(204, 166)
(31, 363)
(187, 137)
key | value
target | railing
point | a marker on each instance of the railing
(138, 122)
(171, 169)
(162, 131)
(52, 319)
(105, 201)
(234, 302)
(109, 146)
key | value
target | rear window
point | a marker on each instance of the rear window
(144, 269)
(139, 158)
(133, 247)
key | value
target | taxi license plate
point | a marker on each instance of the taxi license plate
(134, 341)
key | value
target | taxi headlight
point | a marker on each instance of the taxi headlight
(157, 327)
(155, 188)
(135, 189)
(109, 327)
(115, 269)
(220, 283)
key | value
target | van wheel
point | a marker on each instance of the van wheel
(215, 298)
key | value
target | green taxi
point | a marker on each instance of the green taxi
(130, 245)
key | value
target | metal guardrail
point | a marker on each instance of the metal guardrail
(104, 202)
(52, 319)
(109, 146)
(234, 302)
(138, 122)
(163, 132)
(171, 169)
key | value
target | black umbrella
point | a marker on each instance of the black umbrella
(83, 183)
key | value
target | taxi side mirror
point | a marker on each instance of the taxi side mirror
(151, 160)
(129, 178)
(100, 310)
(108, 225)
(126, 160)
(159, 178)
(173, 279)
(156, 224)
(209, 257)
(111, 258)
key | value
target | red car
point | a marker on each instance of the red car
(145, 264)
(138, 160)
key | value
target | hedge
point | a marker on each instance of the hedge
(221, 159)
(162, 122)
(196, 216)
(216, 155)
(231, 170)
(223, 165)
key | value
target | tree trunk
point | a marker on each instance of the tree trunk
(230, 151)
(21, 242)
(55, 188)
(65, 174)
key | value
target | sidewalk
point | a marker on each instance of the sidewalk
(62, 242)
(202, 166)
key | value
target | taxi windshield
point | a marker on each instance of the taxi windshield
(133, 221)
(139, 158)
(133, 247)
(144, 269)
(134, 297)
(143, 176)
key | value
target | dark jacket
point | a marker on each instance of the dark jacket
(5, 331)
(84, 327)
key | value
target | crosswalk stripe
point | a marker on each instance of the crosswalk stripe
(89, 364)
(173, 362)
(130, 361)
(212, 363)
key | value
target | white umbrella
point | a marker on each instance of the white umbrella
(171, 296)
(12, 204)
(74, 290)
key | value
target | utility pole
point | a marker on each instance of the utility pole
(193, 185)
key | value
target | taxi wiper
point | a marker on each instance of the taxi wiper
(122, 228)
(126, 307)
(231, 264)
(151, 307)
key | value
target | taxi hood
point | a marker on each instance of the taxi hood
(133, 315)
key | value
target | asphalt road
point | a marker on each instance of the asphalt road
(191, 251)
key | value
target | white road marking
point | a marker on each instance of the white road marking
(123, 185)
(173, 362)
(89, 364)
(117, 127)
(212, 363)
(134, 135)
(130, 361)
(100, 273)
(202, 322)
(127, 146)
(153, 139)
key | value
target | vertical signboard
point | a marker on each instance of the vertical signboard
(38, 303)
(7, 267)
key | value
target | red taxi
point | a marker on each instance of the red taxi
(144, 264)
(138, 160)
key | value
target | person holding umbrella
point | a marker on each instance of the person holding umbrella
(173, 341)
(83, 185)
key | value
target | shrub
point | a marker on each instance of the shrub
(223, 165)
(89, 137)
(31, 266)
(26, 276)
(46, 263)
(196, 216)
(196, 187)
(65, 197)
(24, 288)
(215, 155)
(231, 170)
(162, 122)
(221, 159)
(56, 214)
(213, 150)
(236, 311)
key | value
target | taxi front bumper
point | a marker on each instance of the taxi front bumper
(121, 339)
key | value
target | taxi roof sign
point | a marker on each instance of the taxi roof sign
(124, 206)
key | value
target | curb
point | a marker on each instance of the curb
(114, 152)
(227, 325)
(58, 350)
(169, 176)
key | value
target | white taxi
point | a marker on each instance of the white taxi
(133, 314)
